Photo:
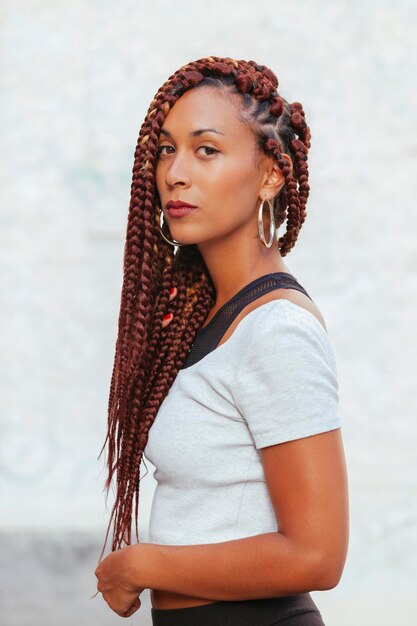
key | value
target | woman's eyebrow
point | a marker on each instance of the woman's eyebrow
(194, 133)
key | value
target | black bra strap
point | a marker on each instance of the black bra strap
(208, 337)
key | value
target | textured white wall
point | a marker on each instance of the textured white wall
(77, 79)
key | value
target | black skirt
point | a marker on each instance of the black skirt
(296, 610)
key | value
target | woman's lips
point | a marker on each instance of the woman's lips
(180, 211)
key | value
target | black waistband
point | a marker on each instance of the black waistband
(243, 612)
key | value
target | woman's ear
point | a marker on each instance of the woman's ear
(273, 179)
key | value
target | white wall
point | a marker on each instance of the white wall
(77, 80)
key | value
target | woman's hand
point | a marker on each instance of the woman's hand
(115, 580)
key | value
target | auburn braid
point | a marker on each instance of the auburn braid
(148, 356)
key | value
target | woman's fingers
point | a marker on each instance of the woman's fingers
(135, 606)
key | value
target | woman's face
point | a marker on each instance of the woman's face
(212, 169)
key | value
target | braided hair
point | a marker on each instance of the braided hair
(148, 356)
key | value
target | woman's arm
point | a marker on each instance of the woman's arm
(307, 481)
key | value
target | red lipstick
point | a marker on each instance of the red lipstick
(179, 208)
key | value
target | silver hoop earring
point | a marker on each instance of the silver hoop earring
(173, 243)
(271, 224)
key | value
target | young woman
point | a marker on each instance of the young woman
(224, 375)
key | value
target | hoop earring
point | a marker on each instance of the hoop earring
(271, 224)
(173, 243)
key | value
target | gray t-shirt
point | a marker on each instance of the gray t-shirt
(273, 380)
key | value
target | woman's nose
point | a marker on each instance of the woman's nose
(178, 171)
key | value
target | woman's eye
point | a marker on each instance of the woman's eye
(159, 150)
(213, 150)
(210, 152)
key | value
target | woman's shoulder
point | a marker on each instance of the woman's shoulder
(285, 378)
(283, 338)
(287, 321)
(282, 316)
(281, 305)
(302, 304)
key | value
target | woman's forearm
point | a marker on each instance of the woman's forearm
(260, 566)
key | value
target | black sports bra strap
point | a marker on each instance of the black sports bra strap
(208, 337)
